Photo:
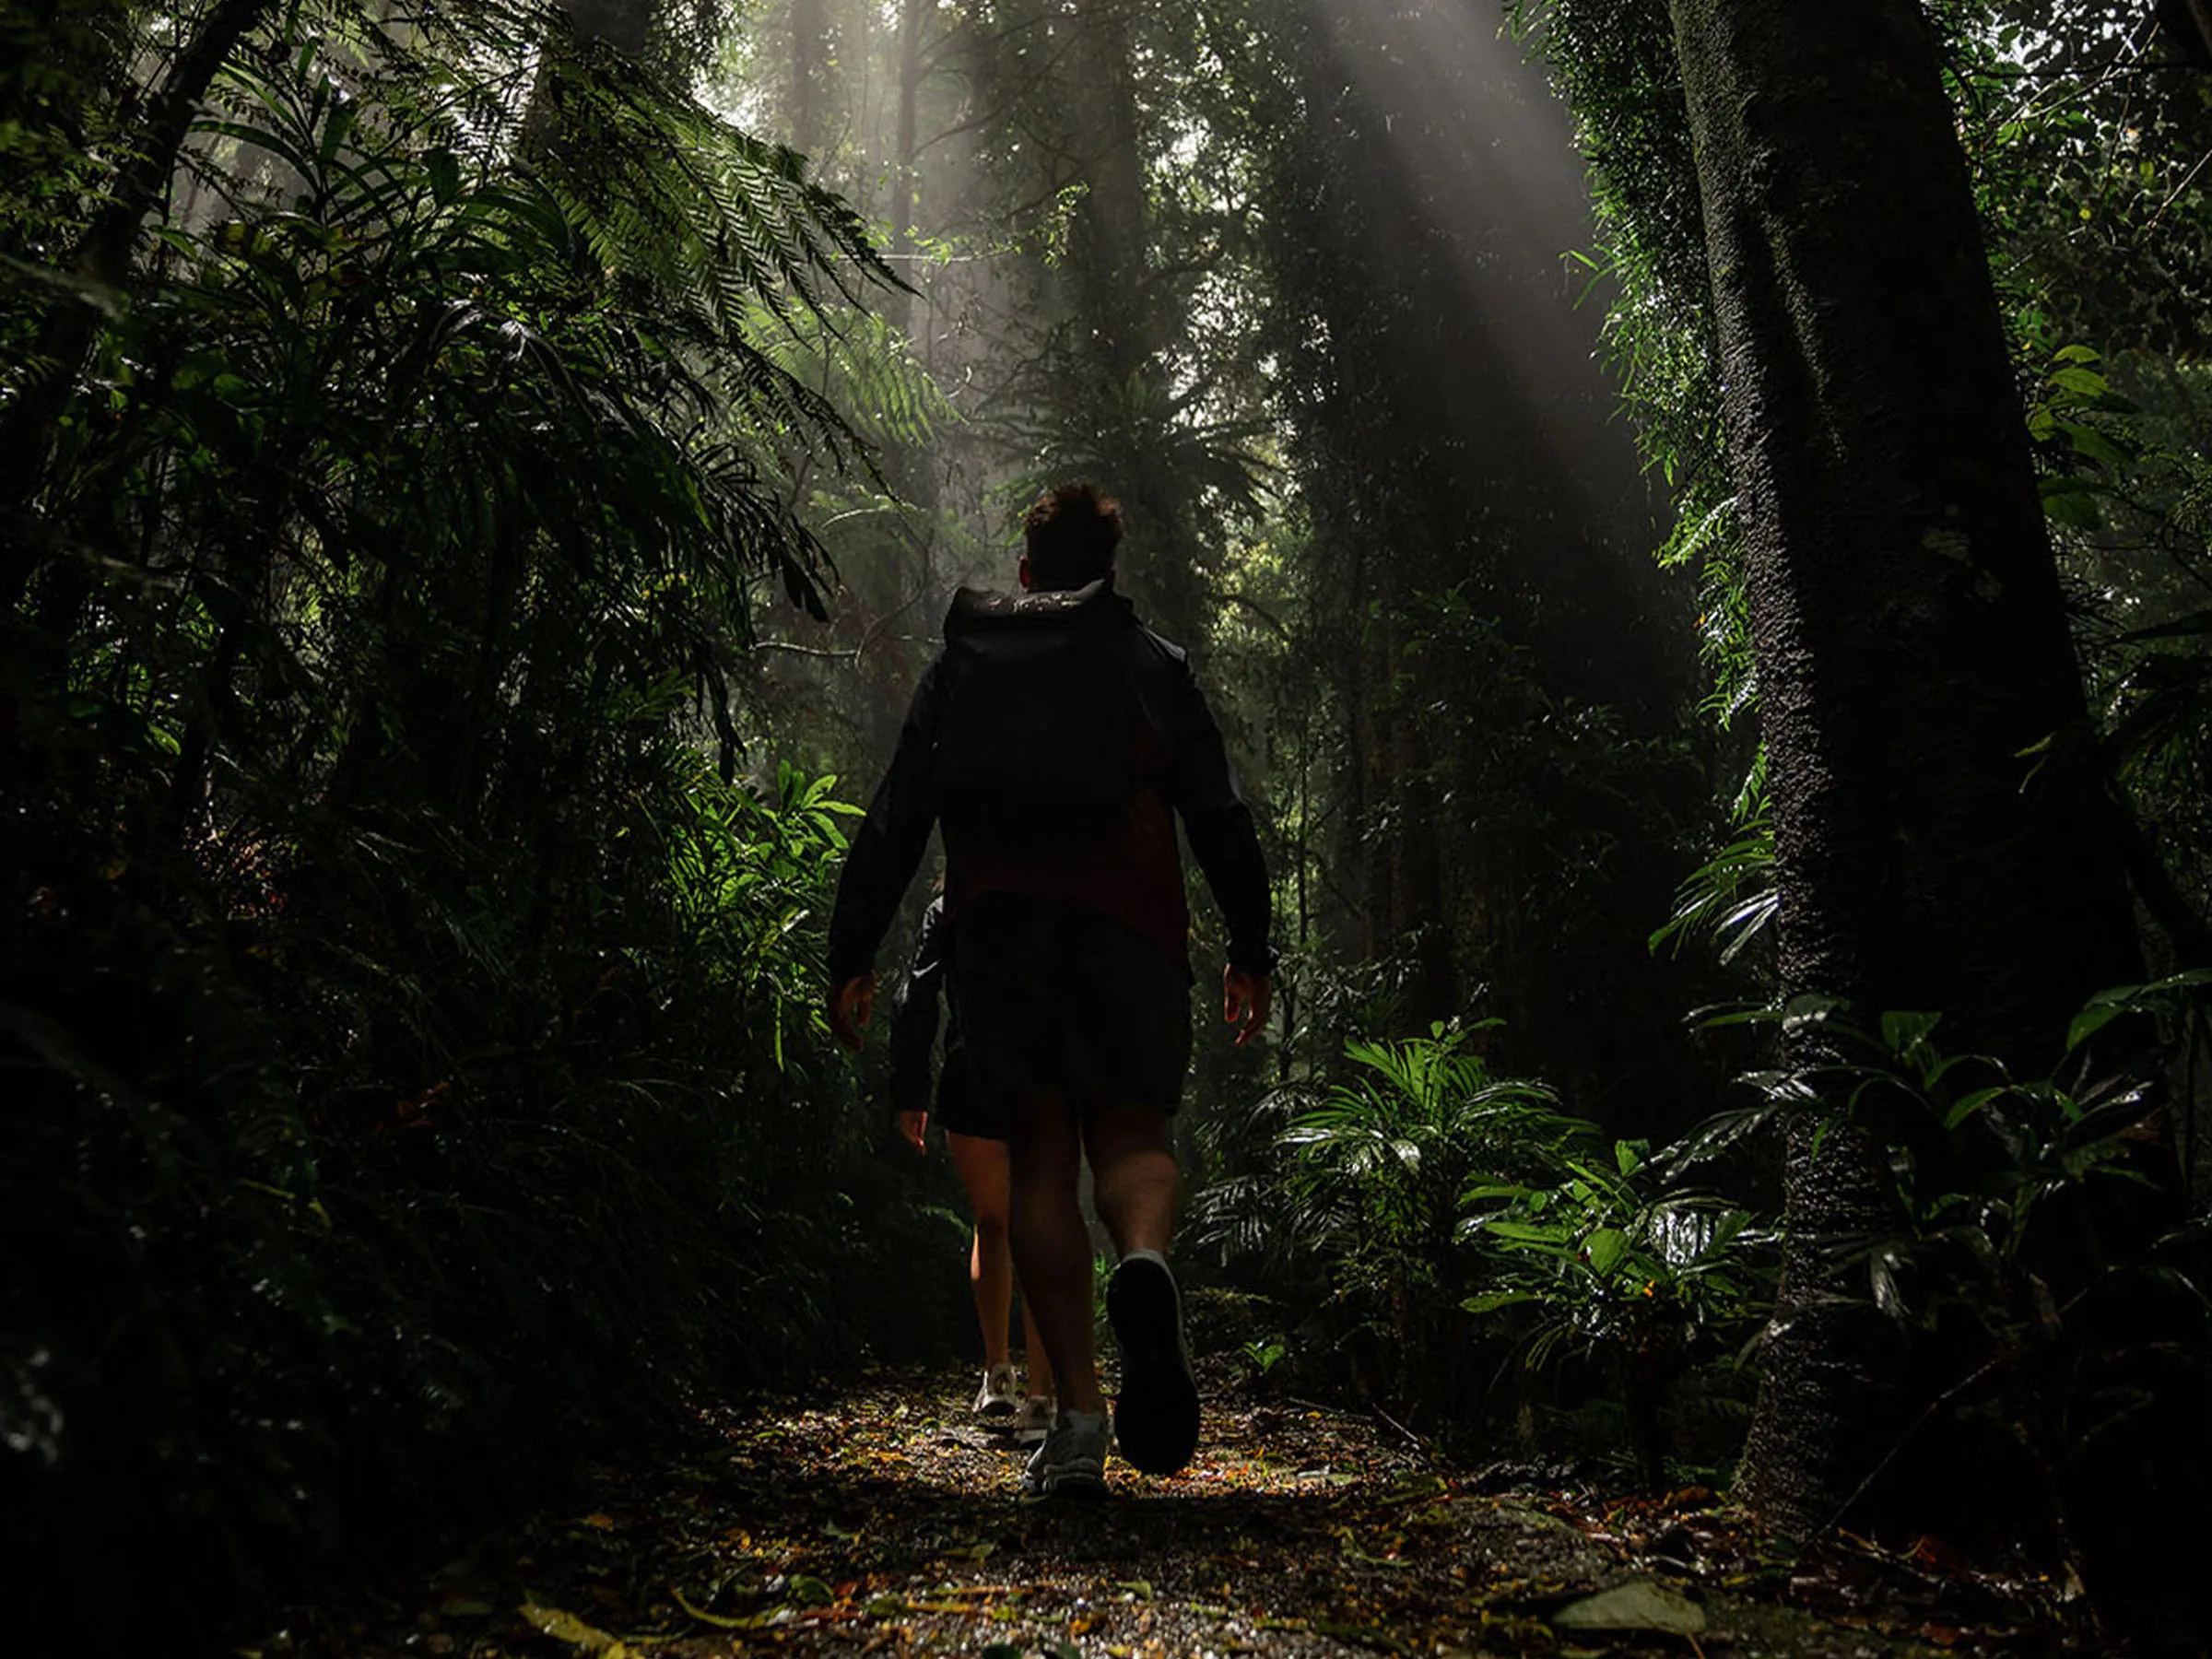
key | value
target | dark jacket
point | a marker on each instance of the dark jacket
(1129, 867)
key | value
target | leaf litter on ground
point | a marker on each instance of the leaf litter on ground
(878, 1520)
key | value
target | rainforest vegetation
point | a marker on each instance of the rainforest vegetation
(1696, 516)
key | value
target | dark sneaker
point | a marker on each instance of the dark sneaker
(1156, 1416)
(1071, 1460)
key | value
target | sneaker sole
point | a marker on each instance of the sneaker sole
(1076, 1488)
(1156, 1416)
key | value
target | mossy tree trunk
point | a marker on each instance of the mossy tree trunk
(1911, 642)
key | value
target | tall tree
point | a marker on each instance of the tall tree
(1479, 528)
(1936, 849)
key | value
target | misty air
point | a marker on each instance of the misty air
(1071, 829)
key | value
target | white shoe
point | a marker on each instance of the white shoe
(1034, 1421)
(1000, 1396)
(1070, 1462)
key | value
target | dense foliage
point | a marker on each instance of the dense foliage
(412, 1049)
(482, 502)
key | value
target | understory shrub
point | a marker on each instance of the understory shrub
(410, 1039)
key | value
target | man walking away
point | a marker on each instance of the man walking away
(1057, 740)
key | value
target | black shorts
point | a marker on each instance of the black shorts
(1057, 999)
(962, 1108)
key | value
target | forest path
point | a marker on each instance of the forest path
(882, 1521)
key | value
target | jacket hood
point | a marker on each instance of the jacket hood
(974, 609)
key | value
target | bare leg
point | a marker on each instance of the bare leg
(1040, 1362)
(1133, 1170)
(983, 1168)
(1052, 1247)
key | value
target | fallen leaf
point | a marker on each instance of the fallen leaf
(566, 1627)
(718, 1620)
(1639, 1605)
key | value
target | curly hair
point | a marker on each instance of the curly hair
(1070, 536)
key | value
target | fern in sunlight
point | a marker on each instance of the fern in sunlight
(1375, 1169)
(1731, 898)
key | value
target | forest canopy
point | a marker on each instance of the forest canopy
(1696, 520)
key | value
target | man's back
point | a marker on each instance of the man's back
(1057, 739)
(1053, 738)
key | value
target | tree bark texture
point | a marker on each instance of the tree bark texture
(1911, 643)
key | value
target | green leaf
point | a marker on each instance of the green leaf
(1904, 1031)
(1608, 1248)
(2092, 444)
(2090, 1022)
(1489, 1301)
(2188, 627)
(1966, 1105)
(2070, 501)
(2082, 382)
(444, 169)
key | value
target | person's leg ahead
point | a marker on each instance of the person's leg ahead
(1051, 1246)
(1040, 1381)
(983, 1168)
(986, 1174)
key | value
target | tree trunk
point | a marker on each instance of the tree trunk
(912, 15)
(809, 55)
(1911, 643)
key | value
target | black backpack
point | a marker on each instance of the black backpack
(1040, 725)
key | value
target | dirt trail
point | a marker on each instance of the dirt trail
(883, 1521)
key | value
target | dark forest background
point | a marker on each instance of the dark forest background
(1696, 522)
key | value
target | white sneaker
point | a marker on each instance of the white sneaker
(1034, 1421)
(1000, 1396)
(1070, 1462)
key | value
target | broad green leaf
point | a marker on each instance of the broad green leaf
(2090, 1022)
(1489, 1301)
(2070, 502)
(1903, 1030)
(2092, 444)
(1966, 1105)
(1607, 1247)
(2081, 382)
(1521, 1232)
